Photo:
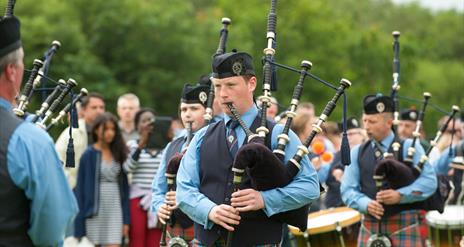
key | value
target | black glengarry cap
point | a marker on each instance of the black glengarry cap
(377, 103)
(232, 64)
(192, 94)
(10, 35)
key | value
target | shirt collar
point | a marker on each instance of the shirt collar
(5, 104)
(183, 133)
(386, 142)
(248, 117)
(218, 118)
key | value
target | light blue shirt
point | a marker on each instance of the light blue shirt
(302, 190)
(441, 165)
(217, 118)
(350, 188)
(34, 166)
(160, 185)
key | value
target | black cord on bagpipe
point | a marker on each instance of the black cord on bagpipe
(434, 106)
(328, 84)
(48, 55)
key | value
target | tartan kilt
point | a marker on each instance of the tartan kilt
(178, 231)
(403, 229)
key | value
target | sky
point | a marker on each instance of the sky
(437, 4)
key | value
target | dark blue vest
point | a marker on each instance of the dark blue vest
(178, 216)
(457, 177)
(14, 206)
(367, 164)
(216, 183)
(174, 147)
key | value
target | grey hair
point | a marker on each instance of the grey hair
(14, 57)
(387, 115)
(129, 97)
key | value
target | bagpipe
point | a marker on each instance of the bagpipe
(379, 239)
(51, 104)
(397, 172)
(56, 95)
(265, 167)
(396, 79)
(454, 109)
(398, 175)
(390, 168)
(38, 72)
(63, 92)
(38, 76)
(416, 134)
(395, 88)
(48, 101)
(27, 91)
(174, 162)
(64, 112)
(9, 9)
(267, 170)
(171, 173)
(209, 113)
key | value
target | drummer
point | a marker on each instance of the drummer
(359, 191)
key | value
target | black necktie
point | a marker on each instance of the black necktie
(232, 137)
(378, 151)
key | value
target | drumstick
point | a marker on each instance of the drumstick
(306, 237)
(338, 228)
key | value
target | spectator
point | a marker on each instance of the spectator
(91, 106)
(128, 105)
(102, 189)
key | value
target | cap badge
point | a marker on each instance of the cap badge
(413, 115)
(237, 67)
(203, 97)
(380, 107)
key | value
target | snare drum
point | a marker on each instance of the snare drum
(329, 228)
(446, 229)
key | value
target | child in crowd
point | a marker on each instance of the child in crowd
(102, 189)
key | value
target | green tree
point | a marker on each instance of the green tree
(153, 48)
